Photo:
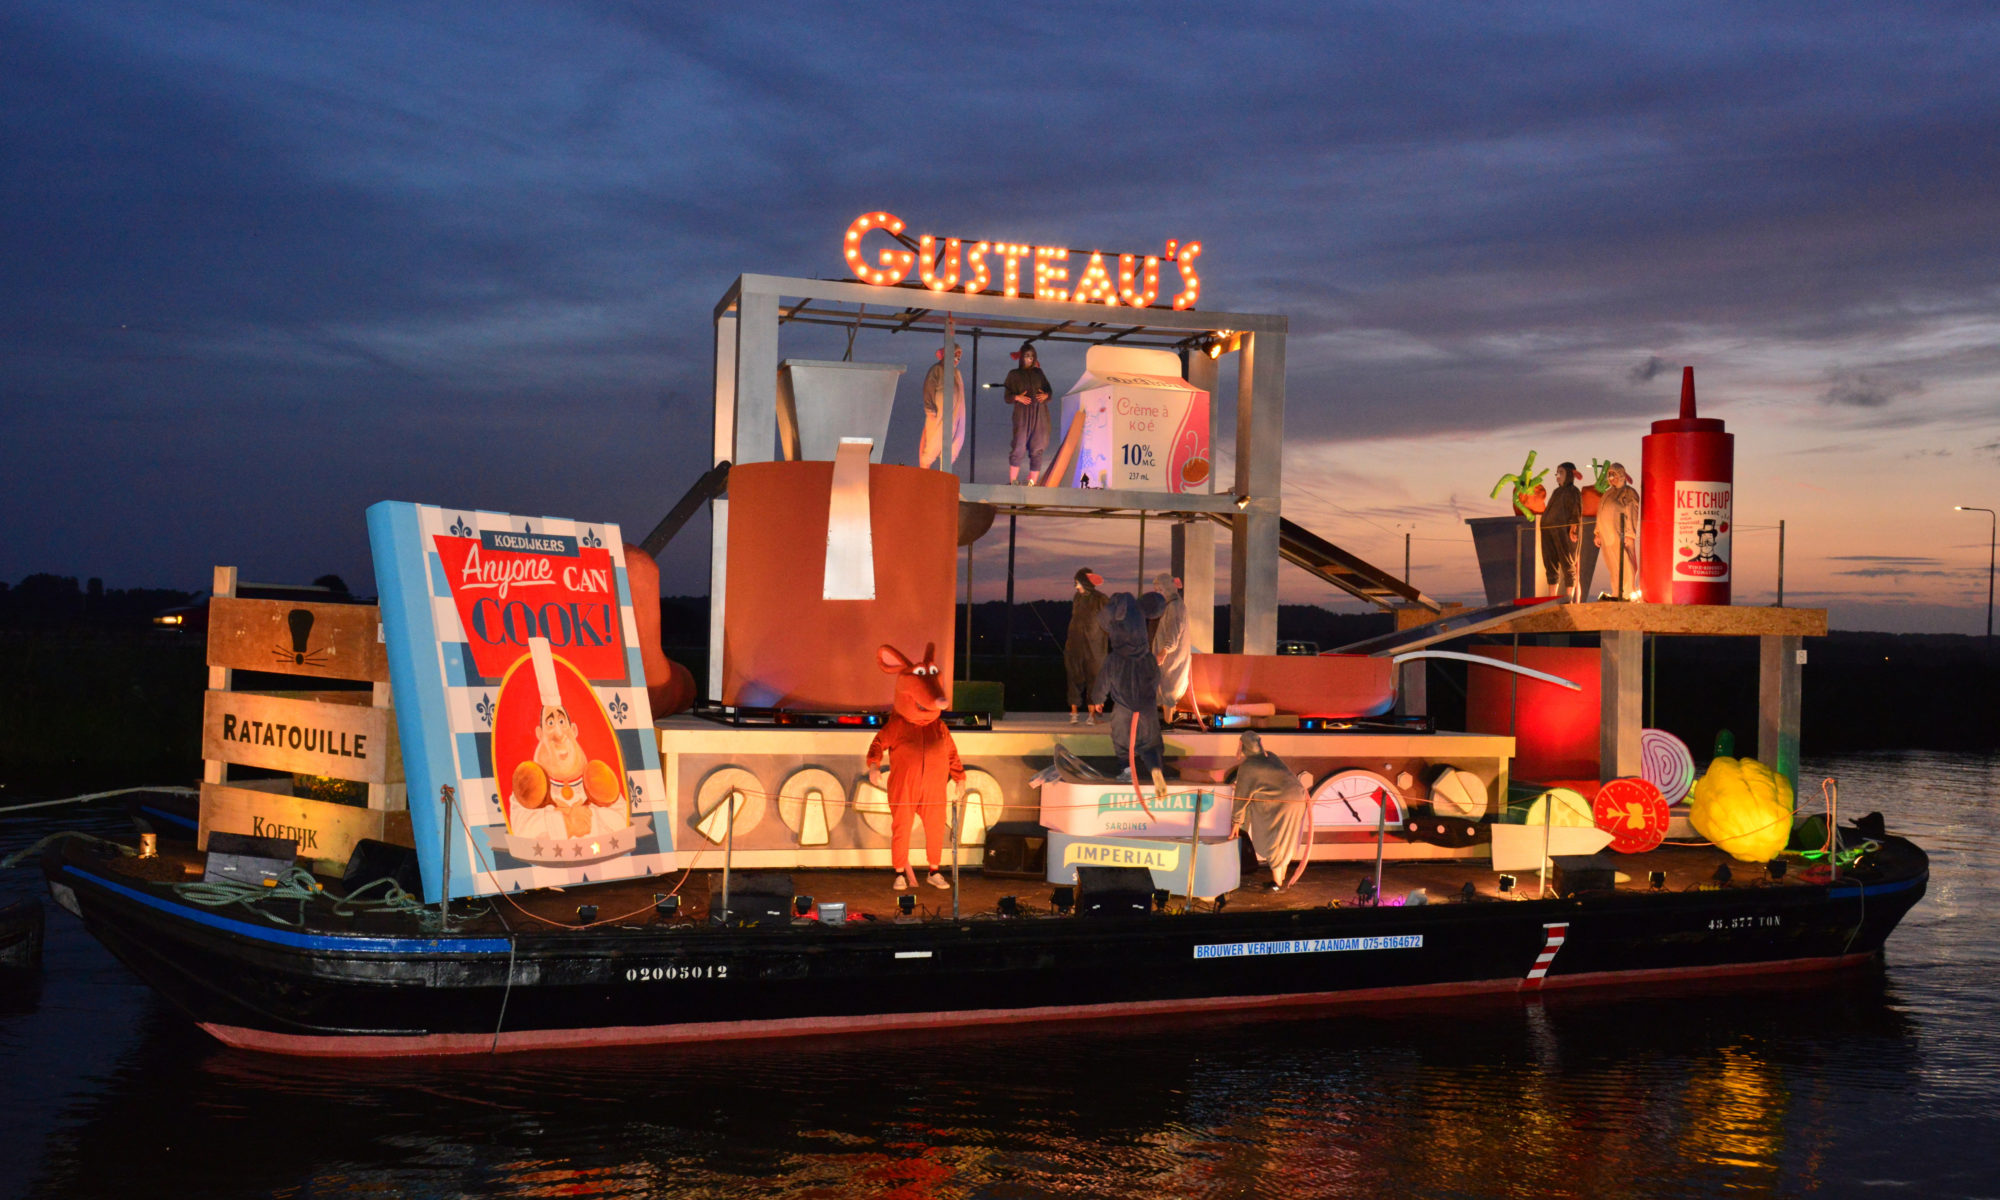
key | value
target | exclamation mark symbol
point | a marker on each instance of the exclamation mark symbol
(301, 621)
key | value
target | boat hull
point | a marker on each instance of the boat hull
(388, 990)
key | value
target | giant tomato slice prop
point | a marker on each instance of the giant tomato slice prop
(1633, 812)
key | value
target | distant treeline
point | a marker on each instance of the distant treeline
(60, 602)
(1863, 691)
(91, 693)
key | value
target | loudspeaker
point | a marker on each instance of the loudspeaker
(755, 897)
(372, 860)
(1576, 874)
(1114, 891)
(1016, 850)
(247, 859)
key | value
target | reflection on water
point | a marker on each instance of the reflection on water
(1835, 1086)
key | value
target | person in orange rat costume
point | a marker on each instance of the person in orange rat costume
(923, 762)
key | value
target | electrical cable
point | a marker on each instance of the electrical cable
(168, 789)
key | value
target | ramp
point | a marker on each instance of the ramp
(711, 484)
(1350, 573)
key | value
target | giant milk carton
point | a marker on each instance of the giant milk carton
(1144, 427)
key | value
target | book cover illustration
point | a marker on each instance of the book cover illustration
(514, 662)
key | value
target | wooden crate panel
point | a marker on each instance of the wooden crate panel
(323, 831)
(342, 739)
(331, 641)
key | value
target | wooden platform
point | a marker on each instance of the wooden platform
(1691, 620)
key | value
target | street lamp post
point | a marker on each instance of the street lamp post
(1992, 539)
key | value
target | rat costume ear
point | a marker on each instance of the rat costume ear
(930, 653)
(892, 660)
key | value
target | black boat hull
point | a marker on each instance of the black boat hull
(256, 985)
(21, 926)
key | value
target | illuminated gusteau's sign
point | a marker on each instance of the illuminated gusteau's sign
(955, 264)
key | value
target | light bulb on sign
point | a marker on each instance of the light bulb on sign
(1190, 278)
(1010, 264)
(933, 279)
(1144, 295)
(897, 263)
(1048, 274)
(975, 259)
(1095, 286)
(1136, 283)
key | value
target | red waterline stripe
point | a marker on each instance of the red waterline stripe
(378, 1046)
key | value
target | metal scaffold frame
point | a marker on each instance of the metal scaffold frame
(751, 311)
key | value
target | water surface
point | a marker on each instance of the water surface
(1874, 1083)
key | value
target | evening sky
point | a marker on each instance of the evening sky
(267, 263)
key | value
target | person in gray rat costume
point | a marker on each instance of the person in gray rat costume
(1272, 802)
(1130, 680)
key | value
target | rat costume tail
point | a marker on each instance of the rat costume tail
(1132, 756)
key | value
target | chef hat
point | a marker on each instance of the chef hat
(545, 672)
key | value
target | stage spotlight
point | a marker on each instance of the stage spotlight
(1658, 879)
(1160, 896)
(1063, 898)
(1221, 902)
(802, 906)
(1010, 906)
(1723, 875)
(1364, 892)
(1469, 892)
(1507, 884)
(1775, 869)
(667, 906)
(907, 905)
(586, 913)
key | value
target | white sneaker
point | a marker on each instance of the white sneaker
(1076, 718)
(938, 881)
(902, 884)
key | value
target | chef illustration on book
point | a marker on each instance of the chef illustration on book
(560, 792)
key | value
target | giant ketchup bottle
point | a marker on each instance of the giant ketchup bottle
(1688, 480)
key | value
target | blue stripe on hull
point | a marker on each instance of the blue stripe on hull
(299, 941)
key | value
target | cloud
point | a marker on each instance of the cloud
(327, 255)
(1898, 573)
(1857, 389)
(1913, 560)
(1647, 371)
(1895, 566)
